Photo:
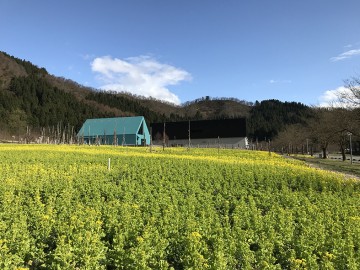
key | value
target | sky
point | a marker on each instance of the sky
(179, 51)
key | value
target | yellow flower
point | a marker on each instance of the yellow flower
(139, 239)
(195, 235)
(329, 256)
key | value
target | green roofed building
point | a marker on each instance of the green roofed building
(115, 131)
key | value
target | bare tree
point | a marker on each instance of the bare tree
(351, 96)
(345, 123)
(292, 140)
(330, 126)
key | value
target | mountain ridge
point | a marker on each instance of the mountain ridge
(30, 96)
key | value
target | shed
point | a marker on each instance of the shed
(115, 131)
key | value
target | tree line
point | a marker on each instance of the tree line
(330, 128)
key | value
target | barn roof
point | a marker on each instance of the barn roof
(107, 126)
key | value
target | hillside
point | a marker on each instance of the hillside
(32, 99)
(268, 117)
(9, 68)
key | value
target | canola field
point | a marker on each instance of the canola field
(61, 208)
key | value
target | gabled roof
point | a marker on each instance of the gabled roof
(107, 126)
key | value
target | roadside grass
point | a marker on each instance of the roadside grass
(332, 164)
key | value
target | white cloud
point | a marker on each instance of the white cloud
(330, 98)
(345, 55)
(142, 75)
(280, 81)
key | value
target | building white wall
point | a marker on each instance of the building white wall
(236, 142)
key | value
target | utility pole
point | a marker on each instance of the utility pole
(351, 157)
(164, 137)
(114, 138)
(189, 135)
(89, 136)
(123, 138)
(150, 139)
(307, 146)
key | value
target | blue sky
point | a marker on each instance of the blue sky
(182, 50)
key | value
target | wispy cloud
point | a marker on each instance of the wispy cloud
(141, 75)
(345, 55)
(280, 81)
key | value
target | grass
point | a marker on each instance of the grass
(333, 165)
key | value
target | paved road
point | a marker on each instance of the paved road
(339, 157)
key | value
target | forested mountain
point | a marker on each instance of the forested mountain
(269, 117)
(32, 98)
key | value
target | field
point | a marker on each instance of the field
(61, 208)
